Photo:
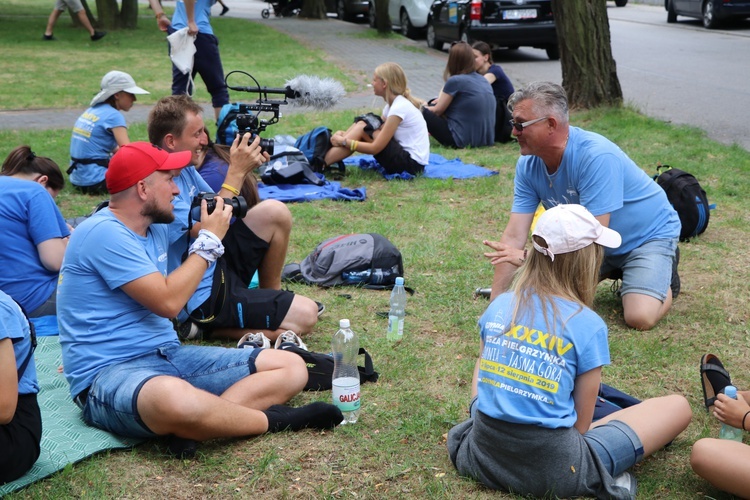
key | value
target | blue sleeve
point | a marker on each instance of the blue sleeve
(525, 196)
(452, 85)
(12, 322)
(45, 220)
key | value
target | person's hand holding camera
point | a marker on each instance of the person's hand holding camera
(246, 155)
(217, 222)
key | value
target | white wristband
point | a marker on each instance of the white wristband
(207, 246)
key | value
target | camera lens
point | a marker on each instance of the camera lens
(266, 145)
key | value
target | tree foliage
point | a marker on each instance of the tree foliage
(589, 72)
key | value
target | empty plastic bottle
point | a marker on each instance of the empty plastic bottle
(397, 312)
(727, 431)
(345, 349)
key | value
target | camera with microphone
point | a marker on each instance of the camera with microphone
(238, 204)
(248, 122)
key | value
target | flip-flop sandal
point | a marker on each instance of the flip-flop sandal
(714, 378)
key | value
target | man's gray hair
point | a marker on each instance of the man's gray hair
(548, 99)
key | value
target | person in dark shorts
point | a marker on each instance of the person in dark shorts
(399, 140)
(20, 418)
(223, 304)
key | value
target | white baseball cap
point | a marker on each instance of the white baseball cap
(114, 82)
(567, 228)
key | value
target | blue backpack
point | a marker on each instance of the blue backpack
(315, 144)
(227, 129)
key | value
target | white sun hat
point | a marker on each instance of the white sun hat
(567, 228)
(114, 82)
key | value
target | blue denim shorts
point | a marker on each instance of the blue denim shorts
(112, 399)
(617, 445)
(646, 270)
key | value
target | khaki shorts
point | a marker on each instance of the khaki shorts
(74, 5)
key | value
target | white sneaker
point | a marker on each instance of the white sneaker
(627, 480)
(254, 340)
(290, 336)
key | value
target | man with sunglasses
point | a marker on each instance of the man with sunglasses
(563, 164)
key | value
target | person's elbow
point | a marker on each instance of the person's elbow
(8, 410)
(168, 308)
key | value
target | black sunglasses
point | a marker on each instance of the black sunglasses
(520, 126)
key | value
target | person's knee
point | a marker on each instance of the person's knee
(165, 402)
(272, 212)
(700, 456)
(679, 410)
(640, 320)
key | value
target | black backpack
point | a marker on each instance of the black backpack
(687, 197)
(289, 167)
(320, 367)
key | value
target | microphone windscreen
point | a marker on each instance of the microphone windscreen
(316, 92)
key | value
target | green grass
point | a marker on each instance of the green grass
(397, 448)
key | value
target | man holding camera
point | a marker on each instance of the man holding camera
(223, 304)
(125, 365)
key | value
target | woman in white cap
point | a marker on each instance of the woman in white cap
(100, 130)
(536, 381)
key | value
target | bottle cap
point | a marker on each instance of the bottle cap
(344, 323)
(731, 391)
(399, 280)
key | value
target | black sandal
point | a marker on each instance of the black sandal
(714, 378)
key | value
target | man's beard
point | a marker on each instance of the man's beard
(156, 214)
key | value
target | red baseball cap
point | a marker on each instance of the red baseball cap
(137, 160)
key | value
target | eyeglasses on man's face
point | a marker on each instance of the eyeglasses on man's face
(520, 126)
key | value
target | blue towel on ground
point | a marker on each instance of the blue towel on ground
(289, 193)
(438, 168)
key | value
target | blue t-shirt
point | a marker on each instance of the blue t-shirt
(501, 87)
(101, 325)
(214, 170)
(15, 326)
(190, 184)
(28, 217)
(471, 113)
(597, 174)
(527, 370)
(202, 16)
(93, 139)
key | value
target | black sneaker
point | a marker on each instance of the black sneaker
(98, 35)
(675, 285)
(224, 10)
(189, 331)
(182, 448)
(321, 308)
(48, 38)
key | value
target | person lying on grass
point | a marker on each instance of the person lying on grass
(126, 368)
(536, 380)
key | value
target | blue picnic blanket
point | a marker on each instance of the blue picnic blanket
(331, 190)
(438, 168)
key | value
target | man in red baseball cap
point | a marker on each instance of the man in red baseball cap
(125, 365)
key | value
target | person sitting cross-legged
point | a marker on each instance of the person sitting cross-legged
(126, 367)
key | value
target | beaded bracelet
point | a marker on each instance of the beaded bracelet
(743, 420)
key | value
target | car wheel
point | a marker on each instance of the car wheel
(432, 41)
(265, 13)
(407, 29)
(621, 3)
(709, 19)
(371, 15)
(671, 14)
(553, 52)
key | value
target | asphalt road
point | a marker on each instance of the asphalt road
(679, 72)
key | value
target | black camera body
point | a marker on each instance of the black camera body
(238, 204)
(247, 122)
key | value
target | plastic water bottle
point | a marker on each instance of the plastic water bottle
(345, 349)
(397, 312)
(727, 431)
(354, 277)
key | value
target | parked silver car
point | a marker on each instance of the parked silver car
(409, 17)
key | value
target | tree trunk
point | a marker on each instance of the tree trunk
(313, 9)
(588, 69)
(109, 14)
(382, 20)
(129, 14)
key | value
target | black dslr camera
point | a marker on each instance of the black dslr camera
(238, 204)
(247, 122)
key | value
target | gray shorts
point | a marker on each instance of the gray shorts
(74, 5)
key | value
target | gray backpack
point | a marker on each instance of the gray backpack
(364, 259)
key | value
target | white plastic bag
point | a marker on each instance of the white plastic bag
(182, 53)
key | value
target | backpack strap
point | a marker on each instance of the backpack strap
(32, 337)
(368, 373)
(86, 161)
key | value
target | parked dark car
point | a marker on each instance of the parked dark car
(500, 23)
(348, 10)
(712, 12)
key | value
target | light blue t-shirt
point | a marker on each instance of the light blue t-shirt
(15, 326)
(527, 370)
(93, 139)
(28, 217)
(471, 113)
(190, 184)
(597, 174)
(202, 16)
(101, 325)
